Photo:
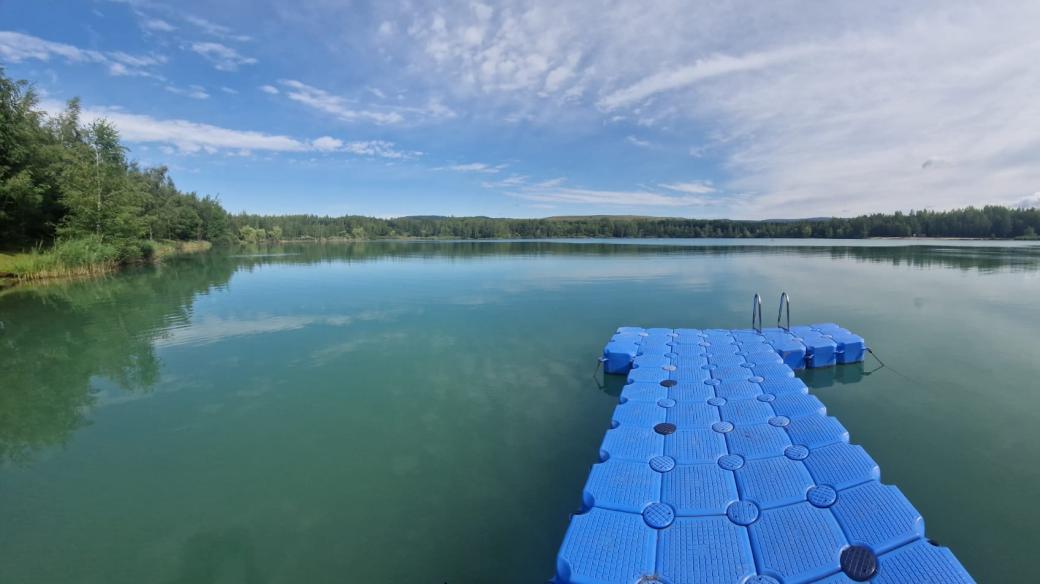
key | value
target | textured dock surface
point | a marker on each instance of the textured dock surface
(720, 467)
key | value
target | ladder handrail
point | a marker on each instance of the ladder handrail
(756, 310)
(785, 300)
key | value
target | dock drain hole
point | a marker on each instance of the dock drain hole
(664, 428)
(669, 383)
(859, 563)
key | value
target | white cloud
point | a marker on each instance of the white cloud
(639, 198)
(478, 167)
(638, 142)
(192, 91)
(191, 137)
(550, 184)
(327, 144)
(508, 47)
(378, 149)
(928, 113)
(683, 77)
(692, 188)
(353, 110)
(157, 25)
(269, 89)
(222, 57)
(335, 105)
(16, 47)
(1031, 202)
(510, 182)
(692, 196)
(186, 136)
(214, 29)
(136, 61)
(824, 108)
(229, 90)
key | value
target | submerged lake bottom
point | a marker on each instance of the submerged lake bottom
(427, 411)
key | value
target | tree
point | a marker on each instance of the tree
(59, 178)
(100, 199)
(29, 193)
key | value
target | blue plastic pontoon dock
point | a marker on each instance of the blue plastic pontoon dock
(720, 467)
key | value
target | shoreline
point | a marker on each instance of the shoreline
(43, 267)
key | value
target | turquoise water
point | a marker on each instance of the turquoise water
(426, 412)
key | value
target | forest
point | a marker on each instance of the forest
(988, 222)
(71, 197)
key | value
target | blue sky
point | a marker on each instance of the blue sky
(536, 108)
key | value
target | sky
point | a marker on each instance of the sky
(750, 110)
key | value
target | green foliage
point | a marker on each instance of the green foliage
(75, 257)
(62, 180)
(29, 166)
(86, 251)
(987, 222)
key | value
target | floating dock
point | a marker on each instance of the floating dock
(720, 467)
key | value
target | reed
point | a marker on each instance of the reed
(88, 257)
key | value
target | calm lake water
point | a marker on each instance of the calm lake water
(426, 412)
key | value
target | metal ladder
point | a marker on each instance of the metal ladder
(785, 301)
(756, 312)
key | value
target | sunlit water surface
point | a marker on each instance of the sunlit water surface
(426, 412)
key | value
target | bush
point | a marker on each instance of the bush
(130, 251)
(76, 253)
(149, 249)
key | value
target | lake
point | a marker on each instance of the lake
(427, 412)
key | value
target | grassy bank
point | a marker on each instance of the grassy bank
(88, 257)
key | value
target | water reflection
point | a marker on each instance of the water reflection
(426, 398)
(961, 255)
(227, 556)
(837, 375)
(57, 340)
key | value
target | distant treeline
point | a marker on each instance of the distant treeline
(63, 181)
(987, 222)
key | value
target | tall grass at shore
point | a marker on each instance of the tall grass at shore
(90, 256)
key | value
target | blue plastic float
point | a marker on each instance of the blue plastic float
(720, 467)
